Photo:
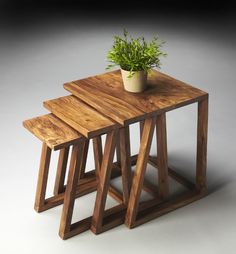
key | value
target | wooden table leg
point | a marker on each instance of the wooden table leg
(84, 158)
(125, 162)
(118, 152)
(69, 198)
(162, 161)
(42, 178)
(61, 171)
(104, 179)
(141, 124)
(202, 128)
(98, 153)
(139, 174)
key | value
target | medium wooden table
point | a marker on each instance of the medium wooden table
(105, 93)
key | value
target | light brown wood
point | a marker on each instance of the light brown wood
(104, 180)
(51, 130)
(61, 171)
(105, 92)
(139, 174)
(75, 165)
(162, 163)
(164, 92)
(202, 129)
(42, 177)
(125, 162)
(141, 124)
(84, 158)
(98, 154)
(112, 218)
(113, 107)
(85, 186)
(118, 156)
(80, 116)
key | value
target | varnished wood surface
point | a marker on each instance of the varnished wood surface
(61, 170)
(80, 116)
(42, 177)
(104, 180)
(162, 159)
(51, 130)
(105, 92)
(139, 173)
(202, 128)
(114, 107)
(70, 193)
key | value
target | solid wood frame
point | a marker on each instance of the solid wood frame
(136, 214)
(81, 183)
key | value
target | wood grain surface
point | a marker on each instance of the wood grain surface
(51, 130)
(105, 92)
(80, 116)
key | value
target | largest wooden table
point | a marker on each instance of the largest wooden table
(105, 93)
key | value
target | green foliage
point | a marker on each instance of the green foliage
(135, 54)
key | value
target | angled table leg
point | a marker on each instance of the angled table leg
(202, 128)
(98, 154)
(69, 198)
(104, 178)
(42, 178)
(118, 155)
(125, 162)
(84, 158)
(61, 171)
(139, 174)
(162, 163)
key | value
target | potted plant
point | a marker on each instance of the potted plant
(136, 57)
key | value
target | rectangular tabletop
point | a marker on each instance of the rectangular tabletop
(105, 92)
(52, 131)
(80, 116)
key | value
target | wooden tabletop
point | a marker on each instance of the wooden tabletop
(106, 94)
(80, 116)
(52, 131)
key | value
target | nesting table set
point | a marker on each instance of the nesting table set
(99, 106)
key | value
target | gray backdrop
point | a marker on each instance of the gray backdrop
(41, 48)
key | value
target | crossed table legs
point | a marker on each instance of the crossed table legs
(130, 210)
(137, 215)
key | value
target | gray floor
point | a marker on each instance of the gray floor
(38, 55)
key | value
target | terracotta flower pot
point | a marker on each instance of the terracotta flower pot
(137, 83)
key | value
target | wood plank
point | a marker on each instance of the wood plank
(51, 130)
(162, 158)
(139, 173)
(85, 186)
(42, 178)
(164, 93)
(104, 179)
(84, 158)
(80, 116)
(112, 217)
(202, 128)
(125, 159)
(98, 154)
(61, 171)
(68, 206)
(115, 107)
